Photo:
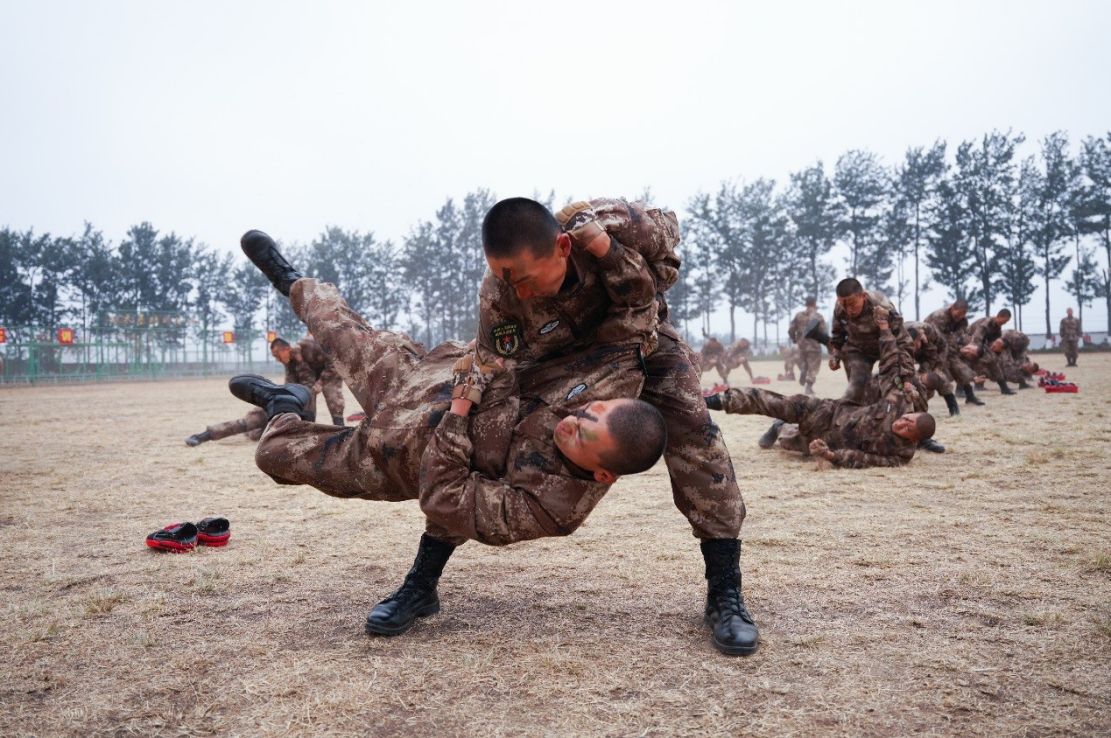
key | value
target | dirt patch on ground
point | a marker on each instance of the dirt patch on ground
(968, 593)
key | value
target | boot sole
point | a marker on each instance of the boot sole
(373, 628)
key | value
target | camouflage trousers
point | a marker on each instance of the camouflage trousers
(810, 363)
(251, 424)
(959, 370)
(703, 483)
(332, 389)
(1072, 350)
(811, 417)
(858, 370)
(351, 462)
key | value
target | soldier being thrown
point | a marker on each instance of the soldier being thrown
(560, 454)
(540, 305)
(305, 364)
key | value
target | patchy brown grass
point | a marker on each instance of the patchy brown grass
(966, 594)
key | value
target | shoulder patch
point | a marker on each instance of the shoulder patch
(506, 338)
(548, 327)
(577, 390)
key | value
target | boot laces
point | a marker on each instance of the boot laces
(730, 601)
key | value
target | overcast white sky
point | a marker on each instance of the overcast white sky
(209, 118)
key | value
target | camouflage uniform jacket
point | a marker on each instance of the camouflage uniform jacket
(308, 364)
(983, 332)
(589, 310)
(933, 354)
(739, 353)
(1070, 329)
(861, 333)
(797, 329)
(712, 350)
(1014, 356)
(538, 494)
(953, 330)
(895, 371)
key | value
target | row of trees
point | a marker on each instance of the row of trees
(982, 224)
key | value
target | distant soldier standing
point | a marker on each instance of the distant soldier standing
(790, 356)
(855, 339)
(952, 322)
(1070, 338)
(810, 351)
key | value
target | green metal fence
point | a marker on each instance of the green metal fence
(121, 346)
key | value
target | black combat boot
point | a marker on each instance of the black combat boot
(970, 397)
(1005, 389)
(812, 332)
(417, 596)
(275, 399)
(734, 632)
(337, 420)
(951, 403)
(263, 253)
(770, 436)
(1023, 385)
(809, 390)
(930, 444)
(198, 438)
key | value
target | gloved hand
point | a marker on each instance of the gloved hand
(470, 378)
(581, 223)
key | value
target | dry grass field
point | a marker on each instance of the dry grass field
(967, 594)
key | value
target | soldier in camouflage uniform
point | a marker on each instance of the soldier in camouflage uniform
(541, 300)
(739, 354)
(548, 457)
(1014, 362)
(810, 350)
(251, 424)
(855, 339)
(977, 349)
(931, 350)
(952, 322)
(308, 365)
(791, 360)
(304, 364)
(1070, 337)
(883, 432)
(713, 357)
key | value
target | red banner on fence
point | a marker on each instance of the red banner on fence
(229, 336)
(3, 335)
(65, 336)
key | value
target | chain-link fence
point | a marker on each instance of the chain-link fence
(120, 346)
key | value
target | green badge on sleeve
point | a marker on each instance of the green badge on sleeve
(507, 338)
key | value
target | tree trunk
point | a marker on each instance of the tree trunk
(732, 323)
(1048, 326)
(917, 304)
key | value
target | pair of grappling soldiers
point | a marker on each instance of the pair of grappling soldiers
(518, 436)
